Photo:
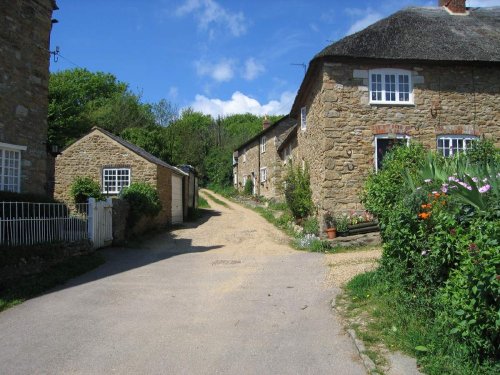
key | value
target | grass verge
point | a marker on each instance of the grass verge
(217, 200)
(383, 321)
(202, 202)
(19, 290)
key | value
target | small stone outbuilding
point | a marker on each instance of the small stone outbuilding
(115, 163)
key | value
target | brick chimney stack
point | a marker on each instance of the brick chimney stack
(454, 6)
(266, 123)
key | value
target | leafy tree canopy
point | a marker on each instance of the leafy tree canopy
(80, 99)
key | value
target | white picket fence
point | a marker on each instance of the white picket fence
(26, 223)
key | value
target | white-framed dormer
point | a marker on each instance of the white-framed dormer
(263, 141)
(384, 142)
(303, 118)
(244, 155)
(390, 86)
(10, 167)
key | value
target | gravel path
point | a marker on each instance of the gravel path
(344, 266)
(223, 296)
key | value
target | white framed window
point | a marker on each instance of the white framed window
(244, 155)
(244, 180)
(263, 174)
(263, 141)
(391, 86)
(303, 118)
(451, 144)
(384, 143)
(115, 179)
(10, 167)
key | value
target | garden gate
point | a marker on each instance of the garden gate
(100, 222)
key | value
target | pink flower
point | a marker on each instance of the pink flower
(475, 179)
(484, 189)
(444, 188)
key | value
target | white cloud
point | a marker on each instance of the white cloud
(241, 103)
(483, 3)
(368, 18)
(209, 12)
(252, 69)
(222, 71)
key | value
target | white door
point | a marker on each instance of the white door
(176, 199)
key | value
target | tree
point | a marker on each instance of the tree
(80, 99)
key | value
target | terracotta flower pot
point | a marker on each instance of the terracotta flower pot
(331, 233)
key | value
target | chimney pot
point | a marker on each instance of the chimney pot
(454, 6)
(265, 123)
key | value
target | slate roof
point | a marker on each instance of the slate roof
(140, 151)
(426, 34)
(286, 137)
(287, 120)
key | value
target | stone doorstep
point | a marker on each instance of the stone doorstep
(372, 238)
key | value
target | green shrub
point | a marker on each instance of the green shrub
(84, 188)
(311, 226)
(385, 188)
(298, 193)
(483, 152)
(248, 188)
(441, 228)
(143, 200)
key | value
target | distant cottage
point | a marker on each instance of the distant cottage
(25, 27)
(427, 74)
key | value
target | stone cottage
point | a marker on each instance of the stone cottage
(430, 74)
(259, 160)
(115, 164)
(25, 27)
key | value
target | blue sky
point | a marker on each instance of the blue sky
(217, 56)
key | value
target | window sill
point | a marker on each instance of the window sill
(377, 104)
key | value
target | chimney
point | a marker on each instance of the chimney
(265, 123)
(454, 6)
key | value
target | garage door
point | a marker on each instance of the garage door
(176, 199)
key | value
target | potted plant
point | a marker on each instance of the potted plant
(331, 229)
(342, 224)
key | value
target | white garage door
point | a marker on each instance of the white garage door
(176, 199)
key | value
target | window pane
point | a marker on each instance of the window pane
(376, 87)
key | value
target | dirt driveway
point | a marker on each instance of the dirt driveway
(223, 296)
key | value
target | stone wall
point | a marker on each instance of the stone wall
(25, 27)
(164, 186)
(248, 163)
(312, 142)
(89, 155)
(341, 123)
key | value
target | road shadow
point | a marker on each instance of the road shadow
(156, 247)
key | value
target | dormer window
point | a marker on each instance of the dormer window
(263, 141)
(391, 86)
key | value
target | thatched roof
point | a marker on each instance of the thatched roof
(426, 34)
